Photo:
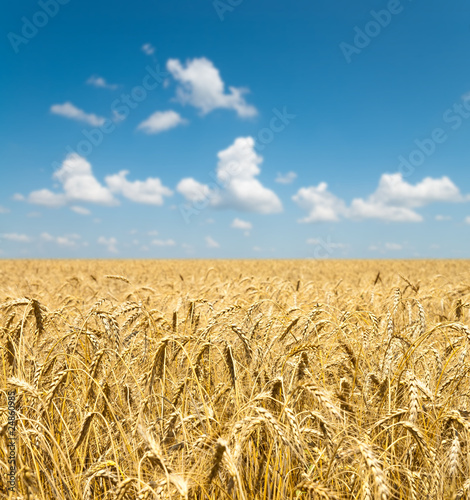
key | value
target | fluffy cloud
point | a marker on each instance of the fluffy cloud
(109, 243)
(151, 191)
(286, 178)
(239, 189)
(100, 82)
(211, 243)
(201, 86)
(161, 121)
(393, 200)
(443, 217)
(16, 237)
(393, 189)
(4, 210)
(148, 49)
(47, 198)
(193, 190)
(321, 205)
(366, 209)
(69, 110)
(80, 185)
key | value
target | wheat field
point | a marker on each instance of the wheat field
(236, 379)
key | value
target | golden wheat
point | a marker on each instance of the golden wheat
(247, 380)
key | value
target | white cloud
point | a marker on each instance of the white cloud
(211, 243)
(18, 197)
(164, 243)
(80, 210)
(201, 86)
(19, 238)
(161, 121)
(100, 82)
(78, 183)
(321, 205)
(4, 210)
(394, 190)
(393, 200)
(362, 209)
(443, 217)
(148, 49)
(467, 219)
(240, 190)
(69, 110)
(69, 240)
(286, 178)
(193, 190)
(47, 198)
(241, 224)
(150, 192)
(152, 233)
(109, 243)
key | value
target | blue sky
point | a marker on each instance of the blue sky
(237, 129)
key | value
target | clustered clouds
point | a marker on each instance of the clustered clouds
(198, 84)
(79, 184)
(238, 188)
(67, 240)
(238, 181)
(393, 200)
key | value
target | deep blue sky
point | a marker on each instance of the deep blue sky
(355, 116)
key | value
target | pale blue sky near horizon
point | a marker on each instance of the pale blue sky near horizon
(235, 129)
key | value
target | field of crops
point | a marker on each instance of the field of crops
(235, 379)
